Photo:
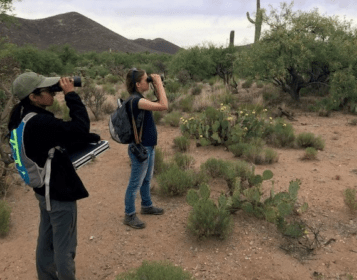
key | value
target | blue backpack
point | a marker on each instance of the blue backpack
(33, 175)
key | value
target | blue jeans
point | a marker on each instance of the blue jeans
(140, 178)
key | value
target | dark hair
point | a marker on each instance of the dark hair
(137, 74)
(16, 114)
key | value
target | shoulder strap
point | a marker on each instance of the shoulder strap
(137, 138)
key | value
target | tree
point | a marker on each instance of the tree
(6, 9)
(195, 60)
(301, 49)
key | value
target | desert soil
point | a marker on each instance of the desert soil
(253, 250)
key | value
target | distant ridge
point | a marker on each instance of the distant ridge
(82, 33)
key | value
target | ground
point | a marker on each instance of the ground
(253, 250)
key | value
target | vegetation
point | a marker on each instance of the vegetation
(206, 218)
(156, 270)
(350, 199)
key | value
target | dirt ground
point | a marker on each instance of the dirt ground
(106, 247)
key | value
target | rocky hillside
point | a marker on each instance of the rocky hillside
(80, 32)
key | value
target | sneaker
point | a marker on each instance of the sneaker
(152, 210)
(133, 221)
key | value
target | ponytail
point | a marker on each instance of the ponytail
(16, 114)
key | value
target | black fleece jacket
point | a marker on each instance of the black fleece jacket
(44, 131)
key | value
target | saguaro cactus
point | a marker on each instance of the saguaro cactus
(231, 39)
(258, 22)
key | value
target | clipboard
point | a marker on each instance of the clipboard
(84, 154)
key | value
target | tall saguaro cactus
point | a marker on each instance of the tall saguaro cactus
(258, 22)
(231, 39)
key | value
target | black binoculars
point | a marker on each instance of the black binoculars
(77, 82)
(149, 79)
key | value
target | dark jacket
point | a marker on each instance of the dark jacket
(44, 131)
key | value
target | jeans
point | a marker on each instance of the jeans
(140, 178)
(57, 240)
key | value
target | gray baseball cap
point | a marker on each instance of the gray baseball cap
(27, 82)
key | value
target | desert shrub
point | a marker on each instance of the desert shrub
(183, 77)
(175, 181)
(172, 96)
(310, 153)
(159, 165)
(172, 86)
(270, 156)
(350, 199)
(113, 79)
(186, 104)
(184, 161)
(182, 143)
(214, 167)
(156, 270)
(5, 212)
(247, 84)
(308, 139)
(212, 81)
(260, 84)
(172, 119)
(253, 153)
(108, 108)
(109, 89)
(201, 177)
(197, 89)
(206, 218)
(158, 115)
(279, 134)
(238, 148)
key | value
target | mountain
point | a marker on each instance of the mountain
(82, 33)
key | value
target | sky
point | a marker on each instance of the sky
(185, 23)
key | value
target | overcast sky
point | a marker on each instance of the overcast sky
(184, 22)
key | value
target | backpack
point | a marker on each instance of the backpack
(33, 175)
(120, 125)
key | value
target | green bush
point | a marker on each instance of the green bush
(280, 134)
(206, 218)
(159, 165)
(214, 167)
(172, 119)
(182, 143)
(172, 96)
(156, 270)
(5, 212)
(350, 199)
(247, 84)
(109, 89)
(158, 115)
(197, 89)
(310, 154)
(271, 156)
(308, 139)
(113, 79)
(172, 86)
(183, 161)
(186, 104)
(238, 148)
(175, 181)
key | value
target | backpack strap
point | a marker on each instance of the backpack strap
(47, 170)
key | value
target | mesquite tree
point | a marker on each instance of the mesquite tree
(301, 49)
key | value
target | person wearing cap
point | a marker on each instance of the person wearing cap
(57, 240)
